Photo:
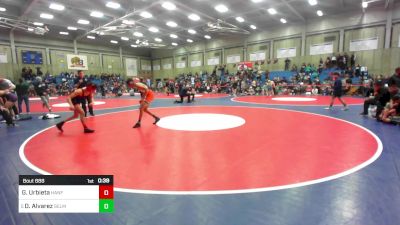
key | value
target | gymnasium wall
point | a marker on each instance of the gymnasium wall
(355, 25)
(162, 63)
(101, 59)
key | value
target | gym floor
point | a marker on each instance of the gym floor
(222, 161)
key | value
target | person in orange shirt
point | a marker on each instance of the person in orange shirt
(147, 98)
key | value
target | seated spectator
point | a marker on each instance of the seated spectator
(380, 98)
(7, 101)
(392, 111)
(314, 90)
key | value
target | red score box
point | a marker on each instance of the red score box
(106, 192)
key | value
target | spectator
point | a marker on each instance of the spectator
(352, 60)
(380, 98)
(392, 110)
(287, 64)
(42, 91)
(22, 89)
(357, 70)
(396, 77)
(7, 100)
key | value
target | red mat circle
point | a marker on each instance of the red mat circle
(320, 100)
(274, 149)
(36, 106)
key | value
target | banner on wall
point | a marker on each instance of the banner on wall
(286, 53)
(364, 44)
(167, 66)
(257, 56)
(233, 59)
(3, 57)
(156, 67)
(146, 67)
(131, 67)
(320, 49)
(195, 63)
(245, 65)
(181, 64)
(77, 62)
(213, 61)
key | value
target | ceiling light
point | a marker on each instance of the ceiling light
(113, 5)
(63, 33)
(272, 11)
(191, 31)
(240, 19)
(46, 16)
(56, 6)
(72, 28)
(153, 29)
(173, 36)
(221, 8)
(38, 24)
(169, 5)
(2, 9)
(125, 38)
(172, 24)
(256, 1)
(138, 34)
(320, 13)
(30, 29)
(97, 14)
(174, 44)
(312, 2)
(283, 20)
(146, 14)
(207, 36)
(91, 37)
(134, 46)
(85, 22)
(101, 33)
(253, 27)
(189, 40)
(158, 39)
(114, 42)
(128, 22)
(194, 17)
(364, 5)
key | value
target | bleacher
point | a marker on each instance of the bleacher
(282, 74)
(323, 76)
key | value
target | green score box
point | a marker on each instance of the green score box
(106, 206)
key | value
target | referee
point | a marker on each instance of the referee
(337, 91)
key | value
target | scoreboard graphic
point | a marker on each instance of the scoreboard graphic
(66, 194)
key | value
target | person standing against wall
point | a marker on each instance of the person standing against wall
(396, 77)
